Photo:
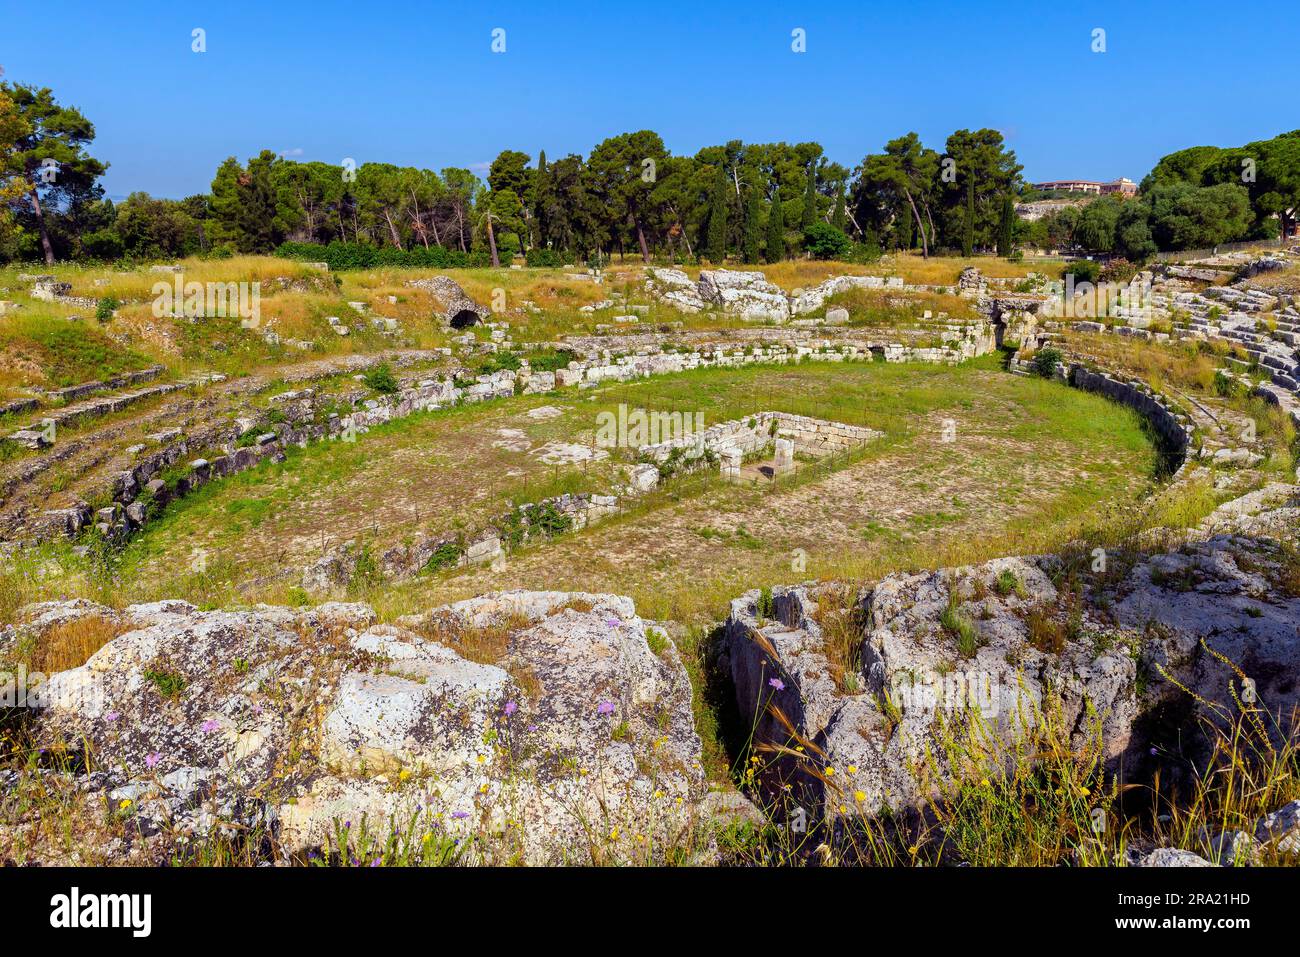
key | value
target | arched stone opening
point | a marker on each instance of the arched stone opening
(464, 319)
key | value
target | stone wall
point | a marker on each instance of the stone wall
(758, 432)
(748, 294)
(432, 394)
(1174, 432)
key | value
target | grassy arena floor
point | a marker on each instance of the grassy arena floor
(1028, 458)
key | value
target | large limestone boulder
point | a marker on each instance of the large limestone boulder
(541, 727)
(747, 294)
(856, 729)
(676, 288)
(1219, 617)
(1147, 650)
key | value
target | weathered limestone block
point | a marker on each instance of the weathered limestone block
(784, 461)
(643, 477)
(729, 463)
(484, 551)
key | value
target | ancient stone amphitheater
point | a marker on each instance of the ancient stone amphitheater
(562, 726)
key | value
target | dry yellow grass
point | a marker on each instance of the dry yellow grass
(139, 283)
(70, 644)
(486, 644)
(1184, 365)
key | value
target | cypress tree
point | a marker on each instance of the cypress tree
(904, 232)
(715, 247)
(968, 228)
(809, 200)
(776, 231)
(872, 242)
(753, 232)
(839, 218)
(540, 188)
(1006, 232)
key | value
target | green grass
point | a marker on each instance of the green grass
(68, 353)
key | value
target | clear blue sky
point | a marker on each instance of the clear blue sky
(417, 83)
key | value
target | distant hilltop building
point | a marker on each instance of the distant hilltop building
(1125, 187)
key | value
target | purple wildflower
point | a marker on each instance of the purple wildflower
(210, 725)
(613, 622)
(112, 716)
(151, 759)
(510, 708)
(460, 815)
(605, 707)
(776, 683)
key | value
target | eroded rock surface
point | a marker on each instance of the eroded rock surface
(558, 724)
(850, 712)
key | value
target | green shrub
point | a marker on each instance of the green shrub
(824, 241)
(445, 555)
(1045, 362)
(545, 517)
(1118, 270)
(1227, 386)
(104, 308)
(549, 360)
(381, 379)
(1083, 270)
(656, 641)
(339, 255)
(548, 258)
(499, 361)
(169, 684)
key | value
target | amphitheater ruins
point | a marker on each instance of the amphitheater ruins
(516, 744)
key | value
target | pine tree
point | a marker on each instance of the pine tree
(968, 228)
(1006, 232)
(776, 231)
(753, 232)
(809, 200)
(715, 246)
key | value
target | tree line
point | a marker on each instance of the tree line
(629, 196)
